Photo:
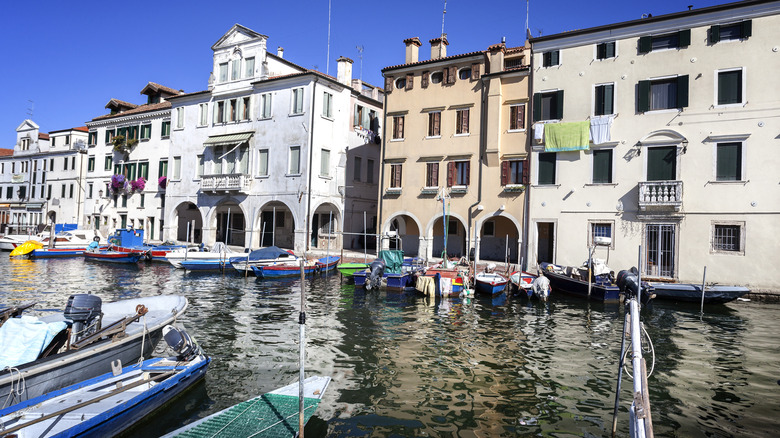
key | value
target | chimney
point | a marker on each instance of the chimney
(439, 47)
(280, 52)
(496, 57)
(412, 50)
(344, 75)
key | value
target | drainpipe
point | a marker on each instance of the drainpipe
(482, 146)
(381, 173)
(308, 167)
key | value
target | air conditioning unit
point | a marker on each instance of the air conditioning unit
(602, 241)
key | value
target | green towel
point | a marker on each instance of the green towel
(562, 137)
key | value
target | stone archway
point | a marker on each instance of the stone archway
(325, 227)
(407, 228)
(499, 239)
(275, 225)
(189, 223)
(228, 222)
(455, 235)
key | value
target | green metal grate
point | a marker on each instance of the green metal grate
(270, 415)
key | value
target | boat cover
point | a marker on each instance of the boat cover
(36, 335)
(393, 260)
(267, 253)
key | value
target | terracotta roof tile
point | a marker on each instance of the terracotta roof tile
(6, 152)
(447, 58)
(43, 136)
(137, 110)
(117, 102)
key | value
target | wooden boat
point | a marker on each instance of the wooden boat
(217, 258)
(347, 269)
(205, 264)
(74, 239)
(715, 294)
(270, 255)
(291, 269)
(112, 256)
(574, 281)
(110, 403)
(272, 414)
(132, 241)
(128, 330)
(489, 283)
(520, 281)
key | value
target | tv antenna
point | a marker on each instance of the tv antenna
(360, 51)
(443, 14)
(327, 62)
(31, 108)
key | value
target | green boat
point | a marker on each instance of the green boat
(347, 269)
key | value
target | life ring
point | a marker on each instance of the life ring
(96, 239)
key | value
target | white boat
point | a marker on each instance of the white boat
(268, 256)
(74, 239)
(112, 402)
(219, 252)
(11, 241)
(128, 329)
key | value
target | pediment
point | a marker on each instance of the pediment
(663, 136)
(27, 125)
(237, 35)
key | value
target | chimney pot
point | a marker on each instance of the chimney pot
(280, 52)
(344, 75)
(412, 50)
(439, 47)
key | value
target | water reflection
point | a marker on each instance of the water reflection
(405, 365)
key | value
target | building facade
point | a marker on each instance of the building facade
(261, 156)
(454, 158)
(682, 150)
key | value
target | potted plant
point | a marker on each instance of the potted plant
(138, 185)
(118, 183)
(162, 182)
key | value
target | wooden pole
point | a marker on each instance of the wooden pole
(703, 279)
(302, 355)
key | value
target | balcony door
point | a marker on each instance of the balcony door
(662, 163)
(659, 250)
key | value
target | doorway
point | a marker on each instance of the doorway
(659, 253)
(545, 242)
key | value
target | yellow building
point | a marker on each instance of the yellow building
(454, 152)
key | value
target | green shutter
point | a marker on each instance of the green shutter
(609, 99)
(546, 59)
(610, 49)
(682, 91)
(747, 29)
(601, 51)
(546, 168)
(602, 166)
(599, 104)
(645, 44)
(729, 162)
(559, 104)
(714, 34)
(643, 96)
(537, 107)
(555, 57)
(684, 38)
(662, 163)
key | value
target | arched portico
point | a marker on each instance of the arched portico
(454, 229)
(226, 223)
(274, 225)
(325, 227)
(499, 238)
(185, 214)
(407, 228)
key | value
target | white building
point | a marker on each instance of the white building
(131, 141)
(264, 150)
(688, 168)
(42, 181)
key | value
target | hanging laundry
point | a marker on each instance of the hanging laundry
(563, 137)
(539, 132)
(600, 128)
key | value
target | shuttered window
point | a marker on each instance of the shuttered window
(605, 50)
(517, 117)
(546, 174)
(602, 166)
(729, 87)
(662, 94)
(662, 163)
(451, 73)
(424, 79)
(474, 72)
(458, 173)
(462, 121)
(395, 175)
(548, 105)
(398, 127)
(551, 58)
(604, 100)
(432, 175)
(514, 172)
(674, 40)
(434, 124)
(733, 31)
(409, 82)
(729, 162)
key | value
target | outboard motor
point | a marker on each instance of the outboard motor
(84, 311)
(376, 272)
(180, 342)
(628, 282)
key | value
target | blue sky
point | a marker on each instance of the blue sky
(71, 58)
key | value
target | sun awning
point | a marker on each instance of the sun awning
(228, 139)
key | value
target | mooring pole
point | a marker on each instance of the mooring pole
(301, 337)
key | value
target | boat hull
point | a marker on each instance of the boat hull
(205, 265)
(112, 257)
(692, 292)
(348, 269)
(572, 286)
(492, 285)
(59, 252)
(322, 265)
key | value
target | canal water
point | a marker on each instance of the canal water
(403, 365)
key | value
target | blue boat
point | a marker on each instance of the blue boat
(281, 270)
(489, 283)
(112, 256)
(110, 403)
(391, 270)
(59, 252)
(132, 241)
(205, 264)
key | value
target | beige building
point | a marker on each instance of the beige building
(454, 152)
(684, 151)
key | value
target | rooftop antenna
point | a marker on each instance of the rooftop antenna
(327, 65)
(526, 15)
(442, 18)
(360, 50)
(31, 108)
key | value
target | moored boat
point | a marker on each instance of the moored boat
(112, 256)
(520, 281)
(132, 241)
(217, 258)
(271, 255)
(347, 269)
(292, 269)
(574, 281)
(489, 283)
(686, 292)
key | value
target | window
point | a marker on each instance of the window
(659, 94)
(26, 143)
(91, 164)
(92, 140)
(325, 163)
(437, 77)
(450, 75)
(110, 135)
(203, 114)
(249, 67)
(201, 165)
(235, 69)
(165, 129)
(432, 175)
(605, 50)
(51, 165)
(162, 169)
(179, 118)
(9, 192)
(130, 170)
(548, 105)
(265, 106)
(395, 176)
(146, 132)
(434, 124)
(673, 40)
(729, 162)
(514, 172)
(294, 167)
(546, 173)
(517, 117)
(398, 127)
(67, 139)
(223, 72)
(142, 201)
(357, 169)
(400, 83)
(370, 171)
(458, 173)
(730, 87)
(600, 229)
(64, 164)
(233, 110)
(62, 194)
(425, 79)
(297, 101)
(728, 237)
(462, 121)
(489, 229)
(245, 106)
(143, 170)
(219, 115)
(107, 162)
(602, 166)
(124, 205)
(604, 102)
(89, 191)
(551, 58)
(262, 162)
(361, 117)
(70, 192)
(176, 168)
(464, 74)
(728, 32)
(327, 104)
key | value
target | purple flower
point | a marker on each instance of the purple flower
(118, 182)
(138, 185)
(162, 182)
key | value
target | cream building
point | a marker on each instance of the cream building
(455, 152)
(688, 167)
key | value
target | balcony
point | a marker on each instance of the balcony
(660, 195)
(234, 182)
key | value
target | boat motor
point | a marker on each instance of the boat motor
(180, 342)
(84, 312)
(628, 282)
(376, 272)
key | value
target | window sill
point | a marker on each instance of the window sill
(165, 137)
(393, 191)
(144, 139)
(429, 190)
(546, 186)
(261, 176)
(292, 174)
(663, 111)
(397, 139)
(514, 188)
(327, 118)
(431, 137)
(729, 105)
(601, 185)
(462, 135)
(265, 118)
(509, 131)
(727, 253)
(729, 183)
(459, 189)
(295, 114)
(328, 177)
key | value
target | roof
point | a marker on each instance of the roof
(651, 19)
(157, 88)
(6, 152)
(80, 128)
(43, 136)
(429, 61)
(137, 110)
(119, 103)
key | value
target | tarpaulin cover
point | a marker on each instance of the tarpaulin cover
(393, 260)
